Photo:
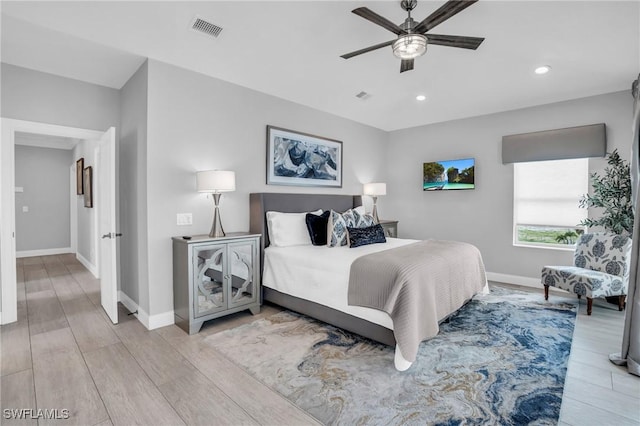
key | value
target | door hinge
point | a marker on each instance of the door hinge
(112, 235)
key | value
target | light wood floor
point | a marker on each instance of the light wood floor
(64, 353)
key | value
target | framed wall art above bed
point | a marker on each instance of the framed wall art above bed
(301, 159)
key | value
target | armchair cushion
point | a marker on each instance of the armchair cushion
(585, 282)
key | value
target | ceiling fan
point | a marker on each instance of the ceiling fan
(412, 38)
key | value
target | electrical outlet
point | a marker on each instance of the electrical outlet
(183, 219)
(25, 209)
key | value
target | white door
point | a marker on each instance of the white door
(105, 183)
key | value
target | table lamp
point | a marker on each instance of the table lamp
(216, 182)
(374, 190)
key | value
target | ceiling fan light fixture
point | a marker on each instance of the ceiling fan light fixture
(409, 46)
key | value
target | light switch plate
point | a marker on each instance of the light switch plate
(183, 219)
(25, 209)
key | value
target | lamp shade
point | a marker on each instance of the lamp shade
(375, 189)
(216, 181)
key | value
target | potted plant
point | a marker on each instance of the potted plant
(611, 194)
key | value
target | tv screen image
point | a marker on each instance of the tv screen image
(447, 175)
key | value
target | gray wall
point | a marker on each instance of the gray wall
(47, 98)
(484, 216)
(133, 188)
(198, 123)
(44, 175)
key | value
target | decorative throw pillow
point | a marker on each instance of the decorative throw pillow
(337, 234)
(317, 227)
(288, 229)
(364, 219)
(364, 236)
(337, 228)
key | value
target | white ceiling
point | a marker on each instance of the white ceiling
(292, 50)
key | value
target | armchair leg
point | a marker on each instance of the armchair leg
(589, 305)
(546, 292)
(621, 302)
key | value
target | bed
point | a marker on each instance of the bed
(324, 271)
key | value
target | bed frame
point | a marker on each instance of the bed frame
(260, 203)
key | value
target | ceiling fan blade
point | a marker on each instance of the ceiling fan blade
(445, 12)
(406, 65)
(370, 15)
(455, 41)
(367, 49)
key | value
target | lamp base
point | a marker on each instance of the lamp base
(375, 210)
(216, 228)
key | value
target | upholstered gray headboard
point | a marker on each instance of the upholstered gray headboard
(261, 203)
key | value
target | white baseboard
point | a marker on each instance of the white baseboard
(150, 322)
(43, 252)
(90, 266)
(514, 279)
(127, 301)
(160, 320)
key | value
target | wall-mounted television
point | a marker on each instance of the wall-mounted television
(447, 175)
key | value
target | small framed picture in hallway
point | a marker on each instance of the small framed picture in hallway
(79, 172)
(87, 178)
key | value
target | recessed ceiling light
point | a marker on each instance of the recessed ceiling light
(421, 98)
(543, 69)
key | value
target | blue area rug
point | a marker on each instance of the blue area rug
(502, 359)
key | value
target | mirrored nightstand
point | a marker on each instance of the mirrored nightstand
(390, 228)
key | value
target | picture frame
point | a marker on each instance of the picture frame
(87, 180)
(79, 174)
(302, 159)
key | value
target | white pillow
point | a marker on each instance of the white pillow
(288, 229)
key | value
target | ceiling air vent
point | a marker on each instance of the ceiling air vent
(363, 96)
(205, 27)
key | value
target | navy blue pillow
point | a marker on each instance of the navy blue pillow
(317, 227)
(364, 236)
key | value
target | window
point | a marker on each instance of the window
(545, 202)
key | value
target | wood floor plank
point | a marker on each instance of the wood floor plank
(129, 395)
(577, 413)
(156, 356)
(15, 348)
(45, 312)
(17, 393)
(15, 345)
(605, 399)
(36, 280)
(590, 374)
(627, 384)
(63, 381)
(210, 406)
(34, 260)
(595, 359)
(88, 326)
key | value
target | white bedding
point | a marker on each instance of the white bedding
(321, 274)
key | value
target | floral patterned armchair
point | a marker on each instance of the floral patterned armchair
(601, 269)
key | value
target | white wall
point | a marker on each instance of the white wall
(484, 216)
(47, 98)
(199, 123)
(43, 173)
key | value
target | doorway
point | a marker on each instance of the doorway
(105, 213)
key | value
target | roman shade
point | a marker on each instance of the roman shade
(559, 144)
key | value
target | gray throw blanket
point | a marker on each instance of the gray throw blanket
(417, 285)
